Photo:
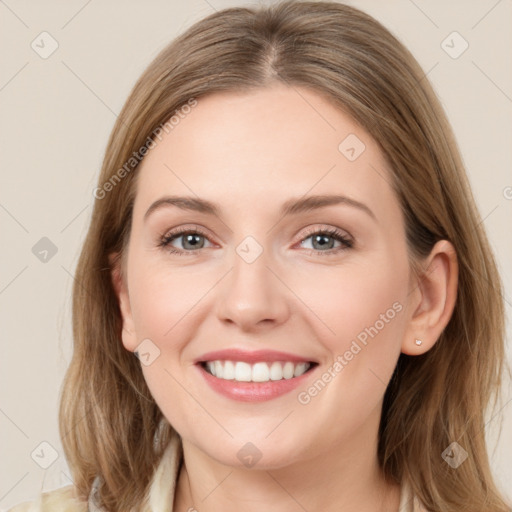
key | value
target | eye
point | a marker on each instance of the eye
(323, 241)
(192, 240)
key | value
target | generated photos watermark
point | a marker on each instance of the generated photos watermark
(137, 156)
(342, 360)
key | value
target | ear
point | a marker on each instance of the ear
(128, 334)
(433, 298)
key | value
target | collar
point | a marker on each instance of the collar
(163, 485)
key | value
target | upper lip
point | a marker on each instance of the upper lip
(254, 356)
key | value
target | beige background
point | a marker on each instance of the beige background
(57, 114)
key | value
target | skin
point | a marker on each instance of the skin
(250, 152)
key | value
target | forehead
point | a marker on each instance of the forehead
(264, 145)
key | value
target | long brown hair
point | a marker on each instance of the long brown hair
(108, 419)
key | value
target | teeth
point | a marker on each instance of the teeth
(288, 370)
(300, 369)
(210, 366)
(229, 370)
(276, 371)
(242, 371)
(219, 370)
(258, 372)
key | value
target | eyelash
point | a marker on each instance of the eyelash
(332, 232)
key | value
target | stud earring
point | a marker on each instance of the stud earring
(418, 342)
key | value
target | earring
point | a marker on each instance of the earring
(418, 342)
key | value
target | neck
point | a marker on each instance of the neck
(346, 477)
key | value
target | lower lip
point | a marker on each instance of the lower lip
(253, 391)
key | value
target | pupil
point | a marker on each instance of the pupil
(321, 240)
(189, 239)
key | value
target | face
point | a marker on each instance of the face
(306, 299)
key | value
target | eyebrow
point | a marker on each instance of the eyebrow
(290, 207)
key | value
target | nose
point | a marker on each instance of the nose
(253, 295)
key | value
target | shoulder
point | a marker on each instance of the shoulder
(58, 500)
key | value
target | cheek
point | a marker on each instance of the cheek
(165, 304)
(355, 302)
(164, 299)
(362, 323)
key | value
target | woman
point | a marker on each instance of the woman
(284, 236)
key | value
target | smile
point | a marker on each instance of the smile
(242, 371)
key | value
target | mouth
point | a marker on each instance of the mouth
(263, 371)
(254, 376)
